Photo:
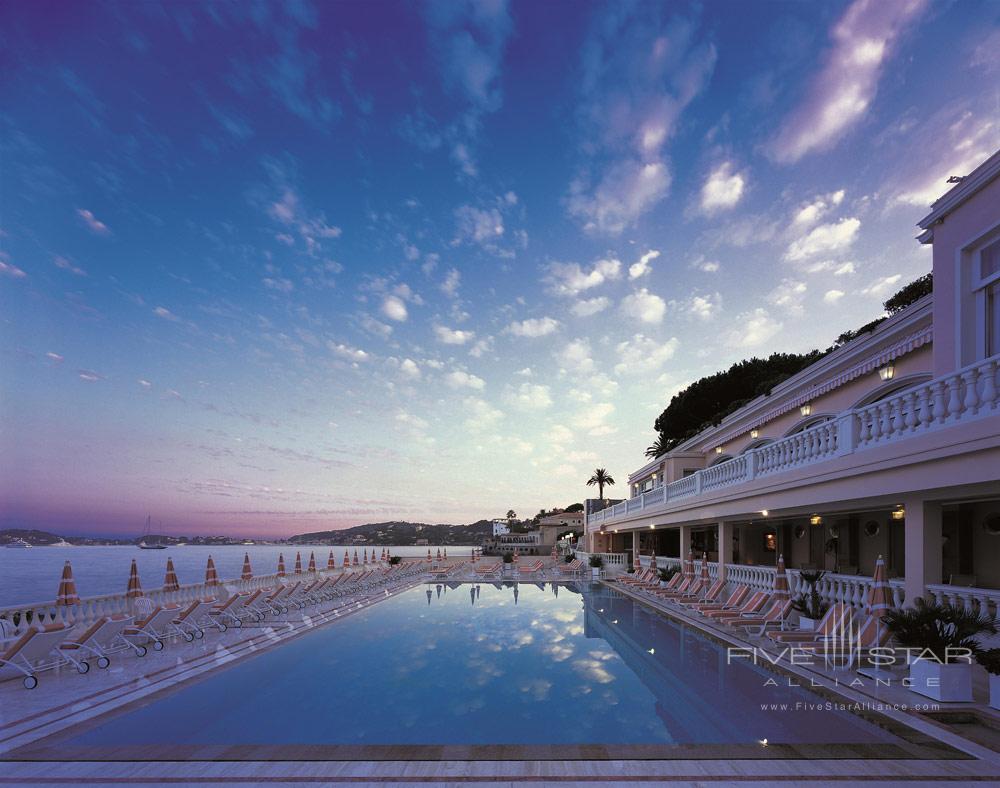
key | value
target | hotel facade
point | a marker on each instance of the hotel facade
(889, 445)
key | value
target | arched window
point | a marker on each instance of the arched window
(810, 421)
(892, 387)
(720, 458)
(757, 444)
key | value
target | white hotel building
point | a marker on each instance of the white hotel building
(890, 445)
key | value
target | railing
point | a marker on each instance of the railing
(91, 608)
(981, 601)
(965, 395)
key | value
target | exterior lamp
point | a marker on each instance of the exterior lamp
(806, 409)
(815, 520)
(652, 526)
(718, 450)
(898, 513)
(887, 371)
(763, 512)
(754, 433)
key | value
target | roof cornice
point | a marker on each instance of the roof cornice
(972, 183)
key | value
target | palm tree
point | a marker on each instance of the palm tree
(660, 446)
(600, 478)
(511, 515)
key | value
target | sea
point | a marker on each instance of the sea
(32, 575)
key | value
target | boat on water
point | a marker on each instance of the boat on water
(145, 544)
(17, 543)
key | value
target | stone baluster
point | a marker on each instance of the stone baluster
(971, 379)
(989, 385)
(925, 413)
(954, 397)
(940, 411)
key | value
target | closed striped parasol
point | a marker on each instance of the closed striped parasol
(364, 554)
(330, 562)
(247, 571)
(517, 555)
(67, 587)
(211, 576)
(134, 586)
(281, 565)
(439, 554)
(170, 580)
(446, 554)
(555, 552)
(704, 567)
(637, 562)
(312, 562)
(880, 597)
(298, 563)
(688, 568)
(355, 557)
(780, 582)
(347, 559)
(429, 558)
(384, 557)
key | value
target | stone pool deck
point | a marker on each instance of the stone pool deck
(67, 701)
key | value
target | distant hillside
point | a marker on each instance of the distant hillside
(400, 533)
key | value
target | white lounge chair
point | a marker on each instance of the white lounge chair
(102, 639)
(36, 650)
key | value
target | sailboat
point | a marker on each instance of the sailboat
(144, 545)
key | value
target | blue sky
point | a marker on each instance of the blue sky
(269, 268)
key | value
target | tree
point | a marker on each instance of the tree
(574, 507)
(600, 478)
(511, 515)
(660, 446)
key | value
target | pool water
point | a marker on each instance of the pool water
(487, 664)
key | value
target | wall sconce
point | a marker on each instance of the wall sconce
(806, 409)
(652, 526)
(754, 433)
(898, 513)
(887, 371)
(763, 512)
(815, 520)
(718, 450)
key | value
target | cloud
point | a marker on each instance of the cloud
(813, 211)
(375, 327)
(280, 284)
(708, 266)
(643, 355)
(832, 296)
(482, 346)
(144, 384)
(481, 414)
(89, 376)
(66, 265)
(592, 418)
(824, 239)
(346, 351)
(787, 296)
(55, 358)
(644, 306)
(460, 379)
(7, 268)
(575, 357)
(166, 314)
(704, 307)
(722, 190)
(394, 308)
(528, 396)
(640, 71)
(569, 279)
(451, 282)
(98, 227)
(590, 306)
(841, 93)
(408, 367)
(882, 287)
(452, 336)
(643, 267)
(754, 329)
(482, 226)
(312, 229)
(533, 327)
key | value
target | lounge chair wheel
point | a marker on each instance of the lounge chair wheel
(222, 627)
(103, 663)
(157, 645)
(188, 637)
(30, 682)
(238, 623)
(83, 667)
(141, 651)
(199, 634)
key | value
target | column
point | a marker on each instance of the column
(685, 541)
(922, 540)
(635, 547)
(725, 548)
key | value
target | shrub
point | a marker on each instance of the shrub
(811, 604)
(668, 573)
(596, 561)
(394, 559)
(508, 557)
(990, 659)
(938, 628)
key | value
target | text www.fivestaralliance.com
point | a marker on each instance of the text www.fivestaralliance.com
(834, 706)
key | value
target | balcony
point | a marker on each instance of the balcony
(958, 398)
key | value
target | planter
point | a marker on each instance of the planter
(595, 572)
(807, 624)
(664, 583)
(946, 683)
(994, 691)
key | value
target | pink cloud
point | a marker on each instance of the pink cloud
(92, 222)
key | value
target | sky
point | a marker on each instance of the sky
(272, 268)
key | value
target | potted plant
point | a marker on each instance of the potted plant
(990, 659)
(666, 575)
(395, 559)
(596, 562)
(569, 558)
(508, 561)
(940, 641)
(810, 606)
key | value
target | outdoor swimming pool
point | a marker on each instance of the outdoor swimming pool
(489, 664)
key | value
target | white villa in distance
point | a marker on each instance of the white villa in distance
(889, 445)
